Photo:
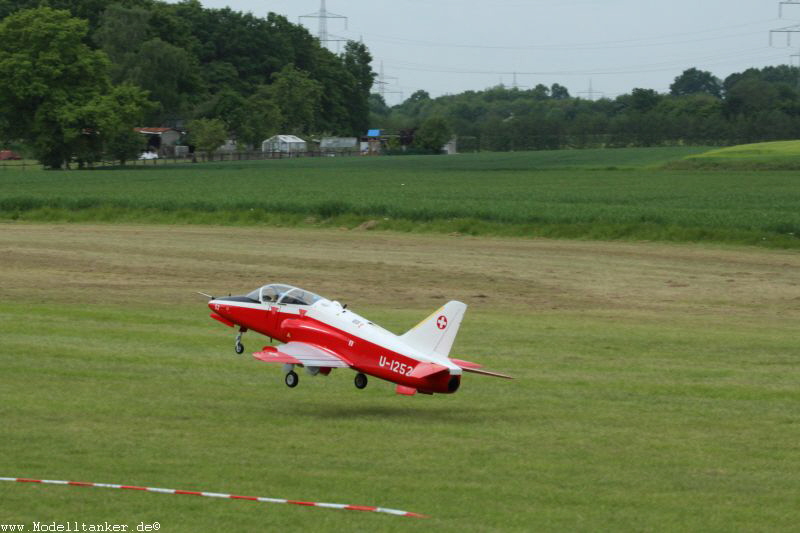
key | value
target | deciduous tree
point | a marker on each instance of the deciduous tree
(207, 134)
(298, 98)
(693, 81)
(47, 75)
(432, 135)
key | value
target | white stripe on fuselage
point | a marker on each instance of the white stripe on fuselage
(354, 325)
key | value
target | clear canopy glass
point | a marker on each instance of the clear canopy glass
(283, 294)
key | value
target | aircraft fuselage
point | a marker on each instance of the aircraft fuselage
(363, 345)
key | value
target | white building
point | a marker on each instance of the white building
(451, 147)
(338, 144)
(284, 143)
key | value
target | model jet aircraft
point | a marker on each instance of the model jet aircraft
(320, 335)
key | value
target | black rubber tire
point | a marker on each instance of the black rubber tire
(291, 379)
(239, 348)
(360, 381)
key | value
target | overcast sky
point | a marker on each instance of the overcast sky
(449, 46)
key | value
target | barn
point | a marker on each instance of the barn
(8, 155)
(161, 140)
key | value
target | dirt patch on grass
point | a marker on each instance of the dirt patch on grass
(161, 265)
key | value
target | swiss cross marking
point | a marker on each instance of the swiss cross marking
(441, 322)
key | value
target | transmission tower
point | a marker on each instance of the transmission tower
(590, 92)
(514, 84)
(788, 30)
(786, 2)
(383, 85)
(323, 15)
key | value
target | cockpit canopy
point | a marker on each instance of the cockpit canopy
(283, 294)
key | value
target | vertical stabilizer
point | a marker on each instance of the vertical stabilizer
(435, 334)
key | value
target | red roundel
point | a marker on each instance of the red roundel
(441, 322)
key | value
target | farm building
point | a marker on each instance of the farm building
(229, 147)
(8, 155)
(373, 142)
(338, 144)
(286, 144)
(160, 140)
(451, 147)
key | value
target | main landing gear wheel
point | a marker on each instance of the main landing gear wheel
(291, 379)
(360, 381)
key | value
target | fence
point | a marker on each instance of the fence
(189, 158)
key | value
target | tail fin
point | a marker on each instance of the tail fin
(435, 334)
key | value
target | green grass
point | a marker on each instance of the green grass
(593, 194)
(776, 155)
(656, 385)
(20, 165)
(613, 425)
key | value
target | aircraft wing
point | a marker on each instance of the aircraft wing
(486, 373)
(301, 353)
(475, 368)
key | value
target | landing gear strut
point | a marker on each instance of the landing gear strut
(291, 379)
(239, 347)
(360, 381)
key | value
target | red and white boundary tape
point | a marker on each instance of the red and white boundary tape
(340, 506)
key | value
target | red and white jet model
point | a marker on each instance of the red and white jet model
(321, 335)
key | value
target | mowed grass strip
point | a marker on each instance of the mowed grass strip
(663, 398)
(609, 424)
(594, 194)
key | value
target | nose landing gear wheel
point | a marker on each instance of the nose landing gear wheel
(291, 379)
(360, 381)
(239, 347)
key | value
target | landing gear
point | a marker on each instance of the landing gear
(291, 379)
(239, 347)
(360, 381)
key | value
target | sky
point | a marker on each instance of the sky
(595, 48)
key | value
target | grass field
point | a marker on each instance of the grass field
(656, 390)
(776, 155)
(583, 194)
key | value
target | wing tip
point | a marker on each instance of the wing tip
(486, 373)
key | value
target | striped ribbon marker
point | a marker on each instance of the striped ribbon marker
(341, 506)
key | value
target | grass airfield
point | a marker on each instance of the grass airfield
(657, 384)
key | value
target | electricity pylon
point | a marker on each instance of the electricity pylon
(323, 15)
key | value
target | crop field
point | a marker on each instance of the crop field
(588, 194)
(656, 383)
(775, 155)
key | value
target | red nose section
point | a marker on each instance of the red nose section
(224, 320)
(218, 312)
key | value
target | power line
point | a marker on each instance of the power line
(617, 44)
(757, 53)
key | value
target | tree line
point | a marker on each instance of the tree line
(77, 75)
(700, 109)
